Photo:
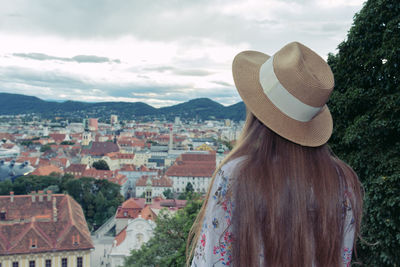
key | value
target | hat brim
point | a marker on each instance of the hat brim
(245, 68)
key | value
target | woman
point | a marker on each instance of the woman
(281, 198)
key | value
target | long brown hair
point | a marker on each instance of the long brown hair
(289, 202)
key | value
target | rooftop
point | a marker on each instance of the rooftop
(42, 222)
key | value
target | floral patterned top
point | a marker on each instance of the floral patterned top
(215, 243)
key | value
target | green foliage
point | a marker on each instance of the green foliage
(6, 187)
(189, 188)
(101, 165)
(99, 199)
(70, 143)
(168, 194)
(189, 193)
(366, 109)
(45, 148)
(168, 245)
(27, 143)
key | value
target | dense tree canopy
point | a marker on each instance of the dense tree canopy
(101, 165)
(366, 109)
(168, 246)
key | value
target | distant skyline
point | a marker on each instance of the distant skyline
(158, 52)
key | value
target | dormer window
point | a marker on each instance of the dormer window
(75, 239)
(33, 243)
(125, 213)
(2, 215)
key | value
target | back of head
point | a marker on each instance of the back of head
(288, 201)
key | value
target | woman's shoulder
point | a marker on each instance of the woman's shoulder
(232, 165)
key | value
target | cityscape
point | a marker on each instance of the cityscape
(151, 167)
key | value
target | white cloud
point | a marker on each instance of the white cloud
(159, 52)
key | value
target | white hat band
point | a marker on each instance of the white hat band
(281, 98)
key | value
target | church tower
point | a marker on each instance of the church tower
(171, 139)
(149, 192)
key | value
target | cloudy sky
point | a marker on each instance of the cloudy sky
(160, 52)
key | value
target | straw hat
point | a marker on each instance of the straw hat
(287, 92)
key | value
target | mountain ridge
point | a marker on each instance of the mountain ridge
(199, 108)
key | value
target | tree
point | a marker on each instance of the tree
(101, 165)
(168, 245)
(365, 108)
(189, 187)
(67, 143)
(168, 194)
(99, 198)
(45, 148)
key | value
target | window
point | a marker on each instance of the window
(64, 262)
(31, 263)
(48, 263)
(79, 262)
(15, 264)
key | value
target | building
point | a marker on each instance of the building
(96, 150)
(93, 124)
(43, 229)
(195, 168)
(135, 223)
(47, 170)
(158, 186)
(76, 170)
(116, 160)
(86, 138)
(114, 119)
(133, 236)
(9, 151)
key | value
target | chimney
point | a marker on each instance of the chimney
(33, 194)
(54, 209)
(12, 196)
(49, 195)
(41, 193)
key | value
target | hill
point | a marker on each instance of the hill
(201, 108)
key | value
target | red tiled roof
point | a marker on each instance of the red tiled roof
(198, 157)
(57, 137)
(193, 165)
(131, 208)
(128, 168)
(79, 168)
(143, 168)
(162, 182)
(46, 170)
(101, 148)
(99, 174)
(191, 170)
(118, 155)
(6, 136)
(29, 223)
(131, 143)
(44, 162)
(134, 207)
(120, 237)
